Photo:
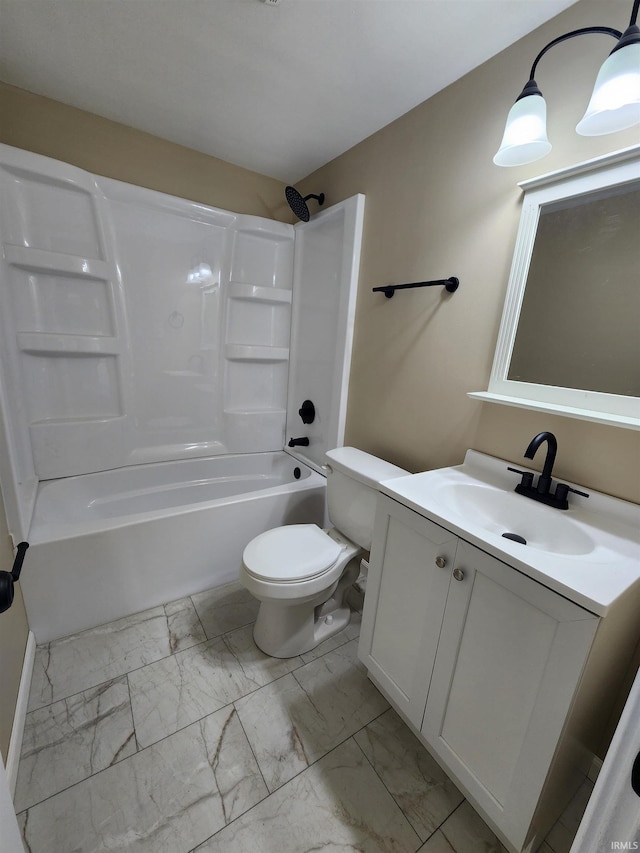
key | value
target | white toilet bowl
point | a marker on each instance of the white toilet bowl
(301, 575)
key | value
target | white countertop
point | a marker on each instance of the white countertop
(589, 553)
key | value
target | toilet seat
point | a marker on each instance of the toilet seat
(293, 553)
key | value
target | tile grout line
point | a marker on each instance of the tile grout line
(272, 793)
(233, 704)
(139, 751)
(440, 825)
(133, 719)
(111, 681)
(238, 698)
(255, 757)
(341, 743)
(165, 656)
(142, 666)
(182, 728)
(371, 765)
(189, 598)
(269, 792)
(195, 610)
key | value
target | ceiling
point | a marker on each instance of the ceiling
(280, 89)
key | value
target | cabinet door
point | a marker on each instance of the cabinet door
(406, 595)
(510, 657)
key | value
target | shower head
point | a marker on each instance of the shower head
(298, 204)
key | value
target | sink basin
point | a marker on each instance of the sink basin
(501, 512)
(589, 553)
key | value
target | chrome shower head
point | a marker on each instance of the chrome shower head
(298, 204)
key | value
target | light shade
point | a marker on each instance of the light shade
(525, 134)
(615, 103)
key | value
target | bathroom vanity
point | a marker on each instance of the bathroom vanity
(504, 658)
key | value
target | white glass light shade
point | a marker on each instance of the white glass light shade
(615, 103)
(525, 134)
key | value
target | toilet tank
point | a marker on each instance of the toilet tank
(352, 487)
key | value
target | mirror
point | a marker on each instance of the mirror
(569, 341)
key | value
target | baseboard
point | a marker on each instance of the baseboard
(17, 730)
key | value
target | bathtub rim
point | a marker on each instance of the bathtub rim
(42, 533)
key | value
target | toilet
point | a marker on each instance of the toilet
(301, 574)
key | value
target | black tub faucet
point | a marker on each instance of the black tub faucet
(299, 442)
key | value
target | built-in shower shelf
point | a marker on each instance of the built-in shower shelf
(97, 420)
(245, 412)
(47, 344)
(247, 352)
(255, 293)
(41, 260)
(270, 229)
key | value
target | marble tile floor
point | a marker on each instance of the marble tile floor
(170, 732)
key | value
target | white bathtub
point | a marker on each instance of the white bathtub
(111, 544)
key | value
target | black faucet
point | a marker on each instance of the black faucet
(542, 490)
(544, 480)
(298, 442)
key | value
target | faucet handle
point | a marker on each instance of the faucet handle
(527, 476)
(562, 490)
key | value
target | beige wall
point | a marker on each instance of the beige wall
(13, 640)
(437, 206)
(107, 148)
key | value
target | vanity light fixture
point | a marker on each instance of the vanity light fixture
(614, 104)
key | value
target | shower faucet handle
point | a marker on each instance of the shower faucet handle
(307, 412)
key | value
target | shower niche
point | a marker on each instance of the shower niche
(140, 327)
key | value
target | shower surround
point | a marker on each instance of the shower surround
(140, 330)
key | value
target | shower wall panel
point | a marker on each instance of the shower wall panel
(136, 326)
(257, 334)
(325, 282)
(65, 355)
(173, 260)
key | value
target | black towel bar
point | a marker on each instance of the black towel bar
(450, 284)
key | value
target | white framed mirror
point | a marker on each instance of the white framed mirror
(569, 340)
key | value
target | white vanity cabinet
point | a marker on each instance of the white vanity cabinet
(480, 659)
(510, 657)
(406, 593)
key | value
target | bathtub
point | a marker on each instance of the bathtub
(111, 544)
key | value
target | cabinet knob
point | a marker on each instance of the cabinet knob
(441, 562)
(458, 574)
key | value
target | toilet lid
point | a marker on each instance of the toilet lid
(294, 552)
